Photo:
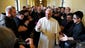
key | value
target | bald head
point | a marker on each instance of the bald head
(48, 13)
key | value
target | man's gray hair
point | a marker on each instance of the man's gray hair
(9, 8)
(7, 38)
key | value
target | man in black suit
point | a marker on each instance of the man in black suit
(9, 19)
(76, 31)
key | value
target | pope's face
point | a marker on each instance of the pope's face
(48, 13)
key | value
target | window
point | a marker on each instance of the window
(62, 3)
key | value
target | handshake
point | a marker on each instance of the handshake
(63, 37)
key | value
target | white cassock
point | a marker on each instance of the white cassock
(83, 20)
(49, 28)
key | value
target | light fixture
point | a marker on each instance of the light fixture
(40, 0)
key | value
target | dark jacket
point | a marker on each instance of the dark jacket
(10, 23)
(78, 31)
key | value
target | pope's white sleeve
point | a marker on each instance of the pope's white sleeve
(37, 26)
(58, 29)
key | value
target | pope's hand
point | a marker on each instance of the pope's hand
(39, 25)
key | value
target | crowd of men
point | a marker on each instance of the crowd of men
(44, 27)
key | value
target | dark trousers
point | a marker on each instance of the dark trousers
(68, 44)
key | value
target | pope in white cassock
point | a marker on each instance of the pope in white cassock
(49, 29)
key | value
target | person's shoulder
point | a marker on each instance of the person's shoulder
(54, 19)
(42, 18)
(81, 24)
(7, 18)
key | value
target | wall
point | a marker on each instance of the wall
(31, 2)
(75, 5)
(26, 3)
(53, 3)
(22, 3)
(5, 3)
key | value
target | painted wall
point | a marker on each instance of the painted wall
(75, 5)
(22, 3)
(53, 3)
(31, 2)
(5, 3)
